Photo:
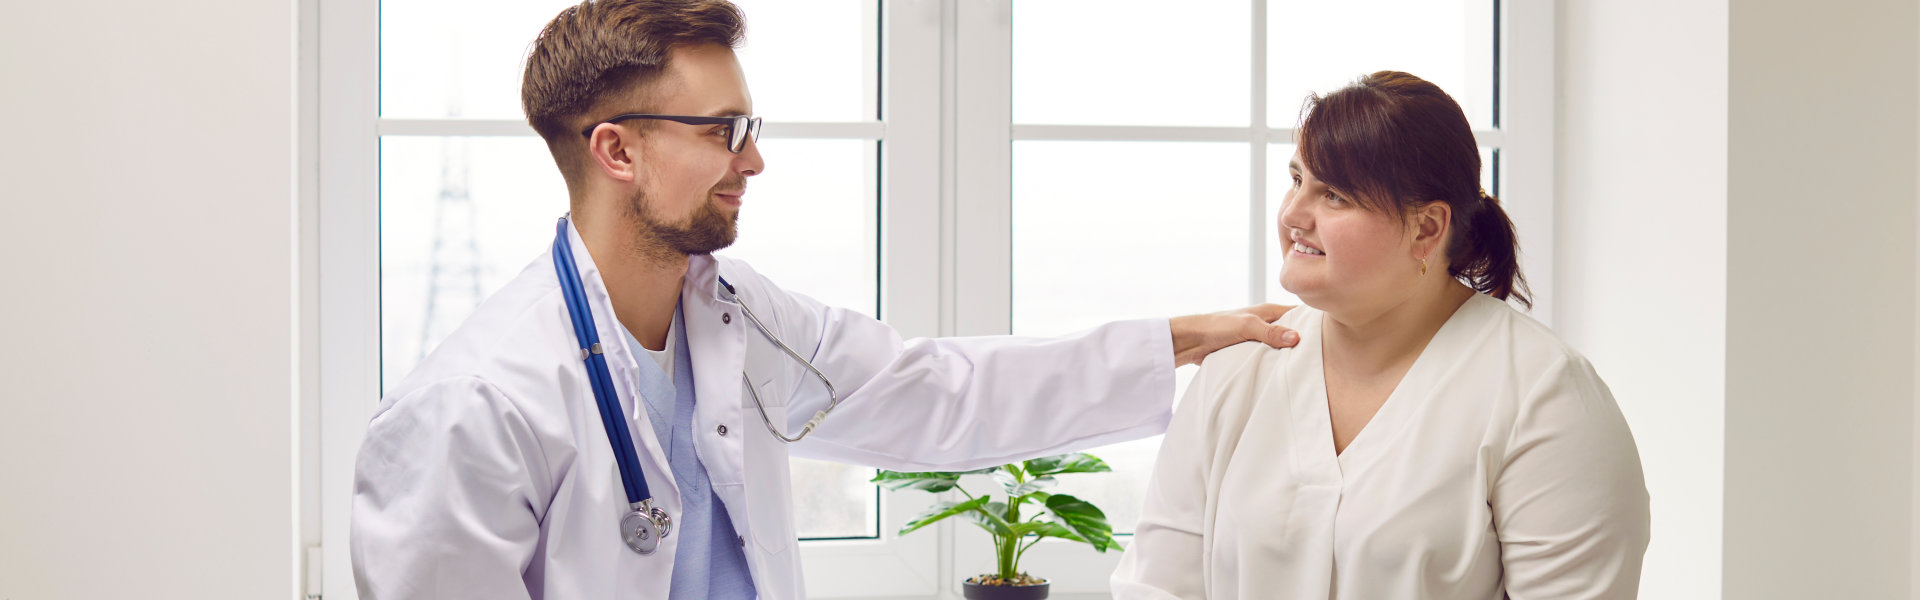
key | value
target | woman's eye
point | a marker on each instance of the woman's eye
(1296, 182)
(1335, 199)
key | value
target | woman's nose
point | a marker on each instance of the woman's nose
(1291, 215)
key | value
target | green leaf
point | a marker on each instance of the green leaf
(933, 481)
(1040, 497)
(1046, 529)
(941, 511)
(1076, 462)
(988, 517)
(1085, 519)
(1004, 478)
(1031, 486)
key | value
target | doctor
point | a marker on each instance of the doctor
(611, 423)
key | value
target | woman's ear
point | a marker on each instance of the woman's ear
(1431, 223)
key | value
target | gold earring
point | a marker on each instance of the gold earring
(1423, 267)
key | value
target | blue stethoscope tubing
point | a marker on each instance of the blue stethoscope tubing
(645, 524)
(632, 479)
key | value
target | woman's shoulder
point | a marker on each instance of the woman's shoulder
(1299, 318)
(1247, 363)
(1545, 366)
(1530, 342)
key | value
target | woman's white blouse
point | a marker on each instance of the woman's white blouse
(1499, 465)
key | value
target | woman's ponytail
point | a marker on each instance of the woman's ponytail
(1485, 253)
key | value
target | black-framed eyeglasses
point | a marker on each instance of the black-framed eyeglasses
(739, 128)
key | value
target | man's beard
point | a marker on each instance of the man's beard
(707, 230)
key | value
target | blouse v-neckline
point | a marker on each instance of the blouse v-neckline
(1377, 435)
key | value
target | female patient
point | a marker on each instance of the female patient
(1425, 440)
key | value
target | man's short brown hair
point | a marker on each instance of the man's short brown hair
(598, 49)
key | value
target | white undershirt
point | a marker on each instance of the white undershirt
(663, 356)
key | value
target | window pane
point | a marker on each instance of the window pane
(488, 204)
(1131, 62)
(811, 221)
(817, 60)
(435, 66)
(1317, 46)
(459, 217)
(812, 61)
(1279, 180)
(1168, 238)
(833, 500)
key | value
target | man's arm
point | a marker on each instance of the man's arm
(928, 404)
(446, 490)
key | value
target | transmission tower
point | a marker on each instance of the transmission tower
(454, 267)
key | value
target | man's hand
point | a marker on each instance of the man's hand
(1196, 336)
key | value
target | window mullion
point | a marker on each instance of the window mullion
(983, 215)
(349, 267)
(1259, 229)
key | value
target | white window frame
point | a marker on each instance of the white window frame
(946, 233)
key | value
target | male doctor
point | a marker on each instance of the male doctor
(495, 469)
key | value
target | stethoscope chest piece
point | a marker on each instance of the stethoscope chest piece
(642, 531)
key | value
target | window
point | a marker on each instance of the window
(931, 163)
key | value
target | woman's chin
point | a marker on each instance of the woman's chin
(1311, 293)
(1299, 286)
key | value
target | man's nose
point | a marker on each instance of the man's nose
(749, 162)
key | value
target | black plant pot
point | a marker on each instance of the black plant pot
(975, 591)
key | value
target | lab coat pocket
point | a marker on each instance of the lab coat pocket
(769, 494)
(771, 391)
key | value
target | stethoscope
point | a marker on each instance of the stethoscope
(644, 524)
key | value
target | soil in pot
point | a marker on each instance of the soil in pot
(989, 587)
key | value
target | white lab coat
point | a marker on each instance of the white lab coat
(487, 473)
(1499, 465)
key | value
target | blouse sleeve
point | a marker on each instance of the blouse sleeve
(1166, 559)
(1569, 501)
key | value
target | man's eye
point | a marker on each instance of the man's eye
(719, 131)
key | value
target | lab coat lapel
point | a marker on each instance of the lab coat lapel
(623, 365)
(716, 341)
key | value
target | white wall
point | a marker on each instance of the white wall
(1641, 239)
(1737, 256)
(1822, 130)
(146, 363)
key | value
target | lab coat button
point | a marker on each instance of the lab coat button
(743, 541)
(723, 430)
(726, 318)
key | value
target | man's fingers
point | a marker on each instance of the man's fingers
(1272, 335)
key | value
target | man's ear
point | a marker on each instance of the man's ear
(614, 151)
(1431, 223)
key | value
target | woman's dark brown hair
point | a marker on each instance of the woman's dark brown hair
(1394, 142)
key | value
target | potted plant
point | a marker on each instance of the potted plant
(1010, 521)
